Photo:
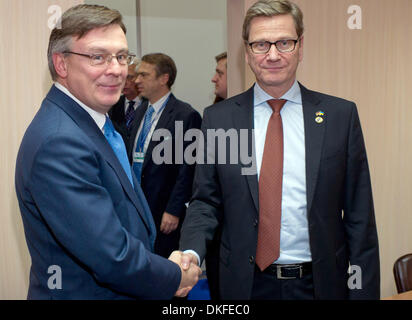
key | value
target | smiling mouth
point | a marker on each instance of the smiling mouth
(274, 68)
(114, 86)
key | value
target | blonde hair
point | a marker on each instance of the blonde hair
(269, 8)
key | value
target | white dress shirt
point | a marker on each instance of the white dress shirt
(98, 117)
(158, 107)
(294, 232)
(136, 100)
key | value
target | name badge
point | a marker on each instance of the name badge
(138, 157)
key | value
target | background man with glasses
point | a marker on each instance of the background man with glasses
(83, 210)
(290, 230)
(123, 112)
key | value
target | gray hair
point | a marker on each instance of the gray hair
(269, 8)
(77, 22)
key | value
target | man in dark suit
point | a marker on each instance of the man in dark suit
(167, 186)
(212, 255)
(87, 223)
(300, 210)
(123, 112)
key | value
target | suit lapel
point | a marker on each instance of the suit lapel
(245, 120)
(88, 125)
(314, 136)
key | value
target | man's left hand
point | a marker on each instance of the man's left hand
(169, 223)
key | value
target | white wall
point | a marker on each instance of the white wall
(24, 35)
(128, 10)
(192, 32)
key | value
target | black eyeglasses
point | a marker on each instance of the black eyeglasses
(287, 45)
(100, 59)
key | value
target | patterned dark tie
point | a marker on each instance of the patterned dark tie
(270, 190)
(129, 116)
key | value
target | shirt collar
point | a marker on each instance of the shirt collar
(98, 117)
(159, 103)
(293, 94)
(136, 102)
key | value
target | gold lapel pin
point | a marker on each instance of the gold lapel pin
(319, 116)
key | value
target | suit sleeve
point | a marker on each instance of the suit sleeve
(203, 215)
(359, 217)
(78, 210)
(182, 189)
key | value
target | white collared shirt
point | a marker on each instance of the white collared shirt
(136, 100)
(158, 110)
(294, 233)
(98, 117)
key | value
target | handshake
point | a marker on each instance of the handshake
(190, 271)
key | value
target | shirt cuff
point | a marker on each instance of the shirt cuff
(195, 254)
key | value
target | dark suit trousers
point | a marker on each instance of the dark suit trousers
(268, 287)
(165, 244)
(212, 265)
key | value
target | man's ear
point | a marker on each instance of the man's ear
(164, 78)
(301, 49)
(246, 52)
(60, 65)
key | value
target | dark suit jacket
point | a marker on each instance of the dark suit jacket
(337, 180)
(117, 115)
(167, 186)
(81, 213)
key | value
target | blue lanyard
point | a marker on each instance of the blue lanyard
(142, 139)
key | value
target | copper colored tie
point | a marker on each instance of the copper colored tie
(270, 190)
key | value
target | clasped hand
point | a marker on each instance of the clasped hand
(190, 271)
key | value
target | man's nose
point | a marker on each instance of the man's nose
(214, 79)
(273, 53)
(114, 67)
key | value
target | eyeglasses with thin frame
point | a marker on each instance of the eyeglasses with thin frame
(99, 59)
(285, 45)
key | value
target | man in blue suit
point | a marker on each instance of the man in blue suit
(83, 211)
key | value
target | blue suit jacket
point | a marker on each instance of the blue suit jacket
(81, 213)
